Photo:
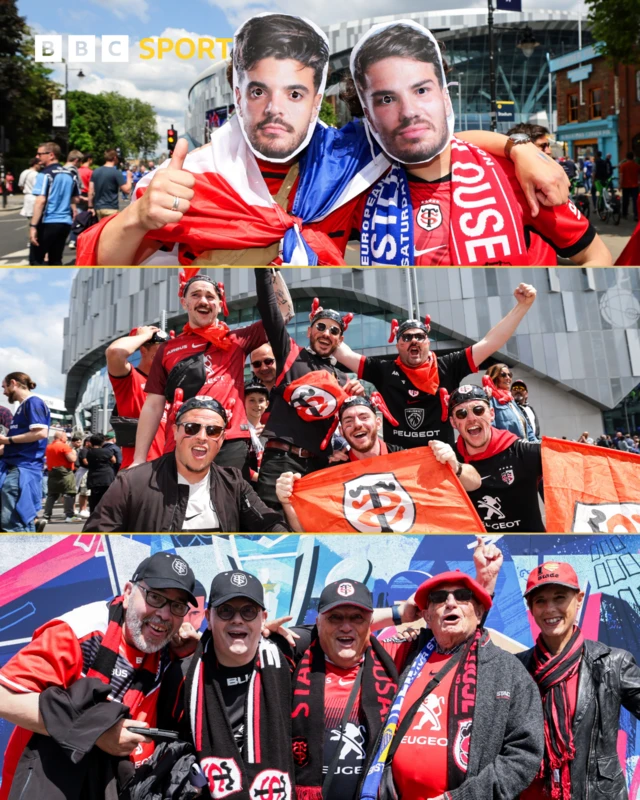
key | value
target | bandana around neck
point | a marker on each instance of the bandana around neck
(502, 396)
(217, 334)
(492, 235)
(425, 377)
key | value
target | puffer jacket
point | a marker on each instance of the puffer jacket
(166, 776)
(609, 678)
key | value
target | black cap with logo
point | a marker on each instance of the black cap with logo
(228, 585)
(345, 593)
(463, 394)
(167, 571)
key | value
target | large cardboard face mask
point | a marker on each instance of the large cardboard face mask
(400, 80)
(280, 67)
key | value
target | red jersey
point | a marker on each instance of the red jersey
(224, 372)
(537, 790)
(60, 653)
(129, 391)
(561, 230)
(420, 763)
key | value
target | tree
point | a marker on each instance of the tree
(26, 91)
(328, 114)
(616, 24)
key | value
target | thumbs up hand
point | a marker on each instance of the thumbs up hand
(169, 194)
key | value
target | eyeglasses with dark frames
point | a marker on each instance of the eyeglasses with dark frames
(442, 595)
(227, 612)
(334, 330)
(463, 413)
(193, 428)
(157, 600)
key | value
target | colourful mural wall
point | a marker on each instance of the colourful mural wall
(42, 577)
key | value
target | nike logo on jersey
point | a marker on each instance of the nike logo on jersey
(193, 516)
(428, 250)
(196, 346)
(345, 683)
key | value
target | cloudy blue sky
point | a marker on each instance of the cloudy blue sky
(34, 304)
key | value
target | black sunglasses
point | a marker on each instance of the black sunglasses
(268, 362)
(192, 428)
(409, 337)
(463, 413)
(227, 612)
(155, 600)
(441, 595)
(507, 374)
(334, 330)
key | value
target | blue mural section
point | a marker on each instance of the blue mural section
(44, 577)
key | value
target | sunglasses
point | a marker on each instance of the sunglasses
(268, 362)
(441, 595)
(409, 337)
(334, 330)
(155, 600)
(463, 413)
(227, 612)
(192, 428)
(507, 374)
(545, 146)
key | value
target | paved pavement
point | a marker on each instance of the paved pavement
(58, 525)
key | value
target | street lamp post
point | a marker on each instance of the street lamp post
(80, 74)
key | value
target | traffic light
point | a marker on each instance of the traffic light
(172, 138)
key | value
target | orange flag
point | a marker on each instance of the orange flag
(589, 489)
(405, 492)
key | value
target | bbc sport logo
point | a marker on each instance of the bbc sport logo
(115, 48)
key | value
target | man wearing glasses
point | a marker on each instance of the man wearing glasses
(510, 468)
(412, 384)
(235, 703)
(185, 490)
(263, 365)
(123, 647)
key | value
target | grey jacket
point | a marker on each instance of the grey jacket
(507, 737)
(609, 678)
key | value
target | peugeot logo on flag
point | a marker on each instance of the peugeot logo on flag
(378, 503)
(414, 417)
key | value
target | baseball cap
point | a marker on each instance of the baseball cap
(253, 386)
(345, 593)
(167, 571)
(235, 583)
(552, 572)
(465, 393)
(455, 576)
(518, 383)
(210, 403)
(110, 435)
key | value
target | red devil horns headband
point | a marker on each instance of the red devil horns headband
(318, 312)
(397, 330)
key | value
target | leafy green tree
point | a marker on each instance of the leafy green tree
(327, 113)
(616, 23)
(26, 91)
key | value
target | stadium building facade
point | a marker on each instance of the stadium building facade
(578, 348)
(522, 72)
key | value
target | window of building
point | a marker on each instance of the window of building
(595, 103)
(572, 108)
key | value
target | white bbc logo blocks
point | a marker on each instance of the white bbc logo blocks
(81, 49)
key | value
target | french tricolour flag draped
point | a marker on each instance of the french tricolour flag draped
(233, 209)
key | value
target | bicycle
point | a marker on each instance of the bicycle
(608, 202)
(580, 201)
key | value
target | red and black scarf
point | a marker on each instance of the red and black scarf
(379, 683)
(426, 376)
(552, 674)
(104, 663)
(265, 766)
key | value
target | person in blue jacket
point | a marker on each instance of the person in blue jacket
(508, 416)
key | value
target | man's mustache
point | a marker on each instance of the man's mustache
(275, 121)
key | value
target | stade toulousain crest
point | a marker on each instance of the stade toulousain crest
(313, 403)
(378, 503)
(606, 518)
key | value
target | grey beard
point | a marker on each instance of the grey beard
(134, 626)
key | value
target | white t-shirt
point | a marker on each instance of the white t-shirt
(200, 514)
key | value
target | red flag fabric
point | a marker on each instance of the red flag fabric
(589, 489)
(405, 492)
(630, 256)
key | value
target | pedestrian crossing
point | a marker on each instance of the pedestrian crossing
(16, 258)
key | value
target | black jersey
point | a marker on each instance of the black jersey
(419, 414)
(508, 497)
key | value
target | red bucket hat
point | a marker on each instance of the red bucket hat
(455, 576)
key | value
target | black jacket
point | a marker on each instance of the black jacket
(149, 499)
(609, 678)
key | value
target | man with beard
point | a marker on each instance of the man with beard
(583, 685)
(122, 645)
(425, 210)
(485, 736)
(510, 468)
(295, 444)
(206, 359)
(520, 394)
(412, 384)
(360, 427)
(234, 704)
(185, 490)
